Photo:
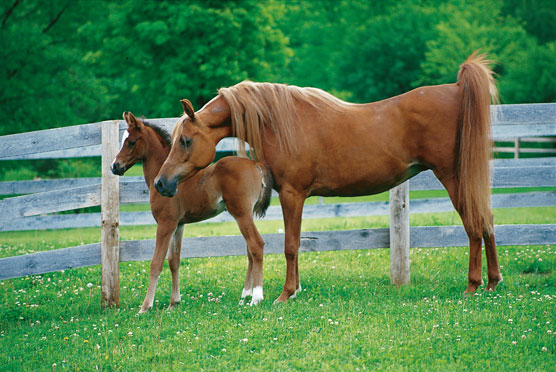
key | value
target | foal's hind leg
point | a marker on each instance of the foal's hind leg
(255, 251)
(248, 286)
(163, 235)
(174, 263)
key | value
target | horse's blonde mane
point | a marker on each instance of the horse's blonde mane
(256, 106)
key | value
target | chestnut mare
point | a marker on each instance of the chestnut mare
(316, 144)
(238, 185)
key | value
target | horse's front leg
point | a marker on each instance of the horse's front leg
(292, 209)
(164, 232)
(174, 262)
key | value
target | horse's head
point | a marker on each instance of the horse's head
(192, 149)
(133, 145)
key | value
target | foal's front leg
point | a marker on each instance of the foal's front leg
(174, 262)
(163, 235)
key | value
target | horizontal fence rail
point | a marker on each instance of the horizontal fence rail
(509, 121)
(274, 213)
(135, 191)
(140, 250)
(34, 186)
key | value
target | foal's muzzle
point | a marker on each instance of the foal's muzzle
(117, 169)
(165, 187)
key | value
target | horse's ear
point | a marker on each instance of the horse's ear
(188, 109)
(132, 121)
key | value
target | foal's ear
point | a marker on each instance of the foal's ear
(132, 121)
(188, 108)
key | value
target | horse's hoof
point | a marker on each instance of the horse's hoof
(144, 310)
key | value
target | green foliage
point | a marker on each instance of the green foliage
(71, 62)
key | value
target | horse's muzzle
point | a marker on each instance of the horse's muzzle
(117, 169)
(165, 187)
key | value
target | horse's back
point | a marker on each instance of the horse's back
(366, 149)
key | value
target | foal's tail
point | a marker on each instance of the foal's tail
(266, 191)
(477, 86)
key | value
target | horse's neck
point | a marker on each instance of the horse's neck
(153, 161)
(216, 114)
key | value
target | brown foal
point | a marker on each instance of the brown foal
(316, 144)
(239, 185)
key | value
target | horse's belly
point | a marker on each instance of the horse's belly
(373, 181)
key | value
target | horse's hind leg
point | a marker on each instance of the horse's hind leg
(174, 263)
(475, 237)
(163, 235)
(494, 275)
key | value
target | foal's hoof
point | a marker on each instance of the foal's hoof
(472, 287)
(173, 306)
(492, 284)
(144, 310)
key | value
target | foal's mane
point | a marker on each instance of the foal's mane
(160, 131)
(256, 106)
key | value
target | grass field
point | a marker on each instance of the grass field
(347, 318)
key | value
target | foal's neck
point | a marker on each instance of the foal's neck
(154, 158)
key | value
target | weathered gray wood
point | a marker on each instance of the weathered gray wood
(49, 202)
(435, 236)
(523, 163)
(49, 261)
(34, 186)
(524, 150)
(500, 132)
(526, 120)
(15, 145)
(519, 114)
(434, 205)
(399, 234)
(110, 217)
(502, 178)
(226, 145)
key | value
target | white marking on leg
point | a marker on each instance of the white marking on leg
(257, 295)
(246, 292)
(298, 290)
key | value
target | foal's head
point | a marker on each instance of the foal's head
(192, 150)
(136, 144)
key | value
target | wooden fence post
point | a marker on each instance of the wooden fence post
(399, 234)
(110, 217)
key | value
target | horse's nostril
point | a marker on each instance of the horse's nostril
(159, 185)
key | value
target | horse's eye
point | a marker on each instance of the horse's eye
(132, 142)
(185, 142)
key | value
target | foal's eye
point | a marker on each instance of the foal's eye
(185, 142)
(132, 142)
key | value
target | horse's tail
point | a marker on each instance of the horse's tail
(261, 205)
(477, 86)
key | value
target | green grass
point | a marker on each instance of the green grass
(348, 316)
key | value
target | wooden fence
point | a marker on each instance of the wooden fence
(51, 196)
